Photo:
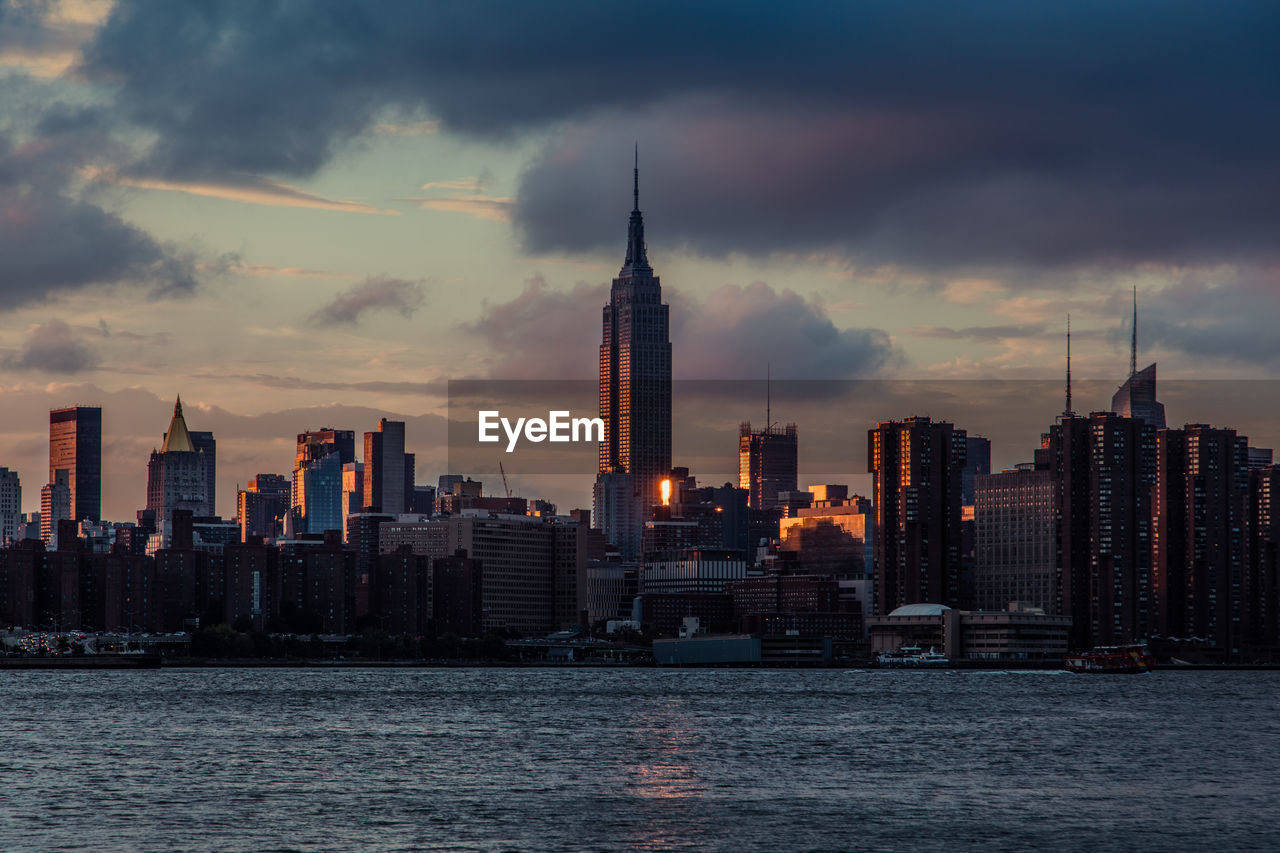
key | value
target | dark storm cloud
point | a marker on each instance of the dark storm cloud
(375, 293)
(53, 238)
(732, 333)
(1228, 318)
(920, 134)
(54, 348)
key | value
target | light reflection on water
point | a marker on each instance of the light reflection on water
(647, 759)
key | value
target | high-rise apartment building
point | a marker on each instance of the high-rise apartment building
(10, 506)
(1015, 540)
(767, 463)
(916, 467)
(385, 469)
(1103, 469)
(1260, 615)
(1201, 480)
(635, 379)
(75, 445)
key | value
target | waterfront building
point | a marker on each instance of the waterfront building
(767, 463)
(1103, 469)
(75, 445)
(916, 467)
(1015, 539)
(1017, 634)
(1198, 512)
(1260, 588)
(635, 392)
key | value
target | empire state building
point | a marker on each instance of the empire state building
(635, 391)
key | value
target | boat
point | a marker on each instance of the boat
(1111, 659)
(912, 656)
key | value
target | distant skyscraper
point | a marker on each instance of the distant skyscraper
(261, 507)
(1260, 457)
(385, 468)
(177, 474)
(75, 444)
(55, 506)
(10, 505)
(352, 493)
(916, 466)
(1136, 398)
(767, 463)
(635, 378)
(204, 443)
(977, 461)
(1201, 479)
(317, 480)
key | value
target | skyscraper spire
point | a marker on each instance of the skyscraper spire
(636, 263)
(1133, 346)
(1068, 410)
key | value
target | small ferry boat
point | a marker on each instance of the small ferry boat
(1111, 659)
(912, 656)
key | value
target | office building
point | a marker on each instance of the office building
(977, 461)
(385, 471)
(261, 507)
(1015, 540)
(916, 467)
(10, 507)
(635, 386)
(317, 480)
(1136, 398)
(767, 463)
(177, 476)
(55, 507)
(75, 445)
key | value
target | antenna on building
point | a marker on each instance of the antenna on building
(636, 190)
(768, 395)
(1067, 411)
(1133, 346)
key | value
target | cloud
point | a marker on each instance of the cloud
(44, 37)
(491, 208)
(953, 135)
(733, 333)
(53, 347)
(376, 293)
(249, 189)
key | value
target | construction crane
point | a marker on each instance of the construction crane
(504, 480)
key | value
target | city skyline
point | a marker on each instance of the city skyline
(284, 273)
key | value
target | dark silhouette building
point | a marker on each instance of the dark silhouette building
(1201, 479)
(1103, 469)
(916, 466)
(75, 445)
(1261, 583)
(635, 384)
(767, 463)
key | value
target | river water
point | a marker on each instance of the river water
(582, 759)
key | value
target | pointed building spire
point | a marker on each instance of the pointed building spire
(636, 263)
(177, 438)
(1133, 346)
(1068, 410)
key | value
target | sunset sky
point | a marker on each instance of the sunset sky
(314, 214)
